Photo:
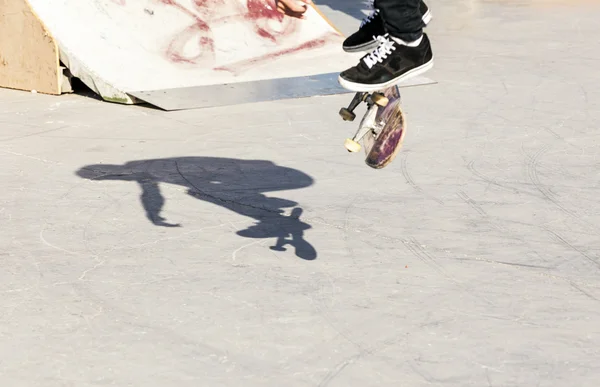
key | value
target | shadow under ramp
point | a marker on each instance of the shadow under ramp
(236, 184)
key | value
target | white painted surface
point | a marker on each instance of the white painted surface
(117, 46)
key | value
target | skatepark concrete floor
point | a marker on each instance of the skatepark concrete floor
(243, 246)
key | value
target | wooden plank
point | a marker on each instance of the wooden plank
(29, 56)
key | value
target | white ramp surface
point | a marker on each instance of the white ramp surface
(118, 47)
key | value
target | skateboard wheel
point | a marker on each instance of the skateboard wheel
(351, 145)
(347, 115)
(380, 99)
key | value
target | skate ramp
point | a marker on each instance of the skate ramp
(178, 54)
(29, 57)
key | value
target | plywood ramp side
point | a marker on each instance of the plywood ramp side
(28, 53)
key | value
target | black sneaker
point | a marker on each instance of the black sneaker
(365, 39)
(427, 16)
(389, 64)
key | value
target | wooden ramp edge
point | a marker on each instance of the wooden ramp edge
(29, 56)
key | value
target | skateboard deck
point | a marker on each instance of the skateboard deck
(381, 129)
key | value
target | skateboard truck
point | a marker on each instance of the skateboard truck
(347, 114)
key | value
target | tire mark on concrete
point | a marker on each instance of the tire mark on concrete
(492, 222)
(346, 227)
(338, 369)
(472, 203)
(532, 163)
(373, 349)
(506, 263)
(410, 180)
(560, 239)
(490, 181)
(421, 253)
(587, 294)
(542, 273)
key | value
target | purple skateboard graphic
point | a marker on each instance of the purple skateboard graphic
(382, 128)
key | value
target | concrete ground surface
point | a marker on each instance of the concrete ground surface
(144, 248)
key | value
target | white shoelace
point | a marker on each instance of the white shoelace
(386, 46)
(370, 17)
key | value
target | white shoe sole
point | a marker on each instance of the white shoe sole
(360, 87)
(369, 46)
(427, 17)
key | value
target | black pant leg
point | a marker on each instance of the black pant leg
(402, 18)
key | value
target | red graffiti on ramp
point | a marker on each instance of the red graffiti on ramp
(195, 43)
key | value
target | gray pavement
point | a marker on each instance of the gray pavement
(144, 248)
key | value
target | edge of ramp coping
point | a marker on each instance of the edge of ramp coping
(197, 97)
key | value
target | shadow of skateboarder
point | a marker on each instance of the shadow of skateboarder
(238, 185)
(291, 227)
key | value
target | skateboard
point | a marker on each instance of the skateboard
(381, 129)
